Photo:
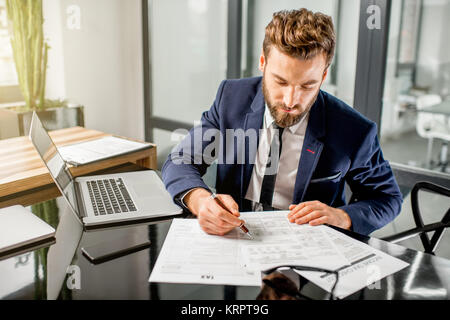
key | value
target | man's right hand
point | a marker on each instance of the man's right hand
(213, 219)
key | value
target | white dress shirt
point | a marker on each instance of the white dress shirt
(292, 144)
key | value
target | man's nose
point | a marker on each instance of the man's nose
(291, 97)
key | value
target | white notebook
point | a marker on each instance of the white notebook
(99, 149)
(22, 231)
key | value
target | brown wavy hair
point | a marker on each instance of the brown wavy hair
(301, 34)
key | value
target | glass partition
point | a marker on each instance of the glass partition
(415, 124)
(189, 56)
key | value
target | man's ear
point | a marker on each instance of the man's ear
(325, 74)
(262, 62)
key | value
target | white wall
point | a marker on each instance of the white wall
(100, 64)
(55, 85)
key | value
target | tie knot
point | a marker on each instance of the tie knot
(279, 129)
(275, 126)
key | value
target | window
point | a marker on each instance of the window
(417, 76)
(9, 89)
(8, 74)
(408, 36)
(188, 44)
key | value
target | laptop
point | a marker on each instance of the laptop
(22, 231)
(105, 201)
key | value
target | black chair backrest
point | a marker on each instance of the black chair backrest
(430, 245)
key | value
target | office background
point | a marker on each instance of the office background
(143, 68)
(191, 45)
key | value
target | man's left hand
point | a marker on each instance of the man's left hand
(316, 213)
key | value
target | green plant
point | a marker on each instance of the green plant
(29, 49)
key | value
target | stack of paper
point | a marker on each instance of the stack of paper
(99, 149)
(189, 255)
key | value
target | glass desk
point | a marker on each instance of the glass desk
(42, 274)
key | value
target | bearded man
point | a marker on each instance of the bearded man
(308, 143)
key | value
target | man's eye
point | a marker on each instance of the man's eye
(281, 83)
(308, 88)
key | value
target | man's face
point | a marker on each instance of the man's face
(291, 85)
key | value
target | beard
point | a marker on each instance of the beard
(283, 119)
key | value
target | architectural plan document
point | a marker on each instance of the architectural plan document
(99, 149)
(189, 255)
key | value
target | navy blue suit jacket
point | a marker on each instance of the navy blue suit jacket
(340, 146)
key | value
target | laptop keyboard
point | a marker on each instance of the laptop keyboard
(110, 196)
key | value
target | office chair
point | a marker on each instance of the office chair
(430, 245)
(432, 126)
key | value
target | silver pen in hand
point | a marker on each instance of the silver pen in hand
(242, 226)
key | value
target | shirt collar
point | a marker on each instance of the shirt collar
(268, 120)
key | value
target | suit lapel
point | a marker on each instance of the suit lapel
(312, 148)
(253, 121)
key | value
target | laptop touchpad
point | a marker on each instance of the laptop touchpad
(143, 190)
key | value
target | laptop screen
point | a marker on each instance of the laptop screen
(53, 160)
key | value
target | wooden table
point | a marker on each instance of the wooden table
(25, 180)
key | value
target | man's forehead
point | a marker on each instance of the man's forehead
(309, 72)
(306, 81)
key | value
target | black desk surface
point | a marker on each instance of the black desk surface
(25, 276)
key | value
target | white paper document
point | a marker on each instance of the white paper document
(279, 242)
(189, 255)
(368, 266)
(99, 149)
